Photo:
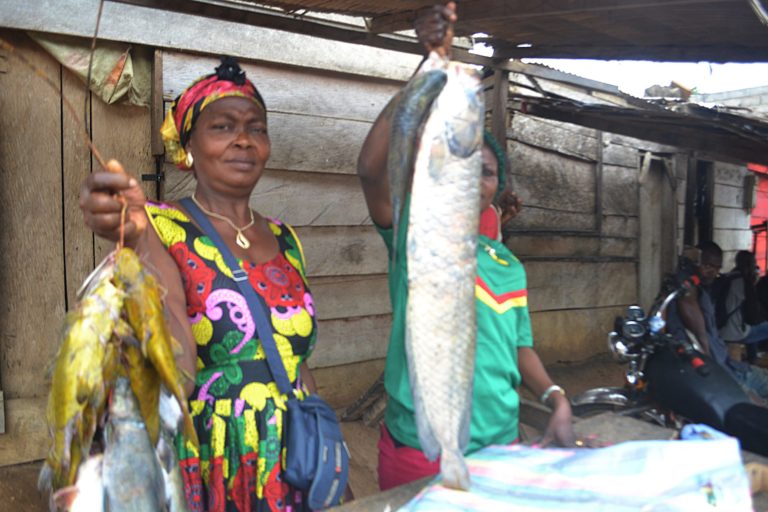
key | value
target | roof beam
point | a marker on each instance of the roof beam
(715, 140)
(479, 11)
(709, 53)
(269, 18)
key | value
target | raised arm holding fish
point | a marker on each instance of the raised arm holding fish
(461, 341)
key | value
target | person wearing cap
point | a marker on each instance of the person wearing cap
(217, 130)
(504, 357)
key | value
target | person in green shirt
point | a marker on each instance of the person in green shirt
(504, 356)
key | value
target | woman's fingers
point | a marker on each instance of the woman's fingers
(103, 197)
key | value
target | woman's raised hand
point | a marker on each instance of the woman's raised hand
(434, 28)
(102, 197)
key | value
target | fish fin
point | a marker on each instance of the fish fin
(44, 479)
(427, 440)
(454, 471)
(170, 412)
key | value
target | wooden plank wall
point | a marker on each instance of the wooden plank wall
(46, 250)
(317, 123)
(581, 264)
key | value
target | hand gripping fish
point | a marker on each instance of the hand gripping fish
(442, 267)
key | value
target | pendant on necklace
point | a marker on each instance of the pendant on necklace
(242, 241)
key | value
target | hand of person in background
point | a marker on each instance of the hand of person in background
(434, 28)
(560, 426)
(509, 205)
(101, 200)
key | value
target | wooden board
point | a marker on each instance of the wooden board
(657, 230)
(342, 385)
(557, 285)
(562, 138)
(351, 340)
(619, 190)
(289, 89)
(350, 296)
(729, 195)
(298, 198)
(572, 335)
(620, 226)
(78, 239)
(622, 156)
(733, 240)
(339, 251)
(32, 270)
(123, 132)
(166, 29)
(729, 174)
(731, 218)
(553, 245)
(570, 246)
(535, 217)
(317, 144)
(550, 180)
(26, 434)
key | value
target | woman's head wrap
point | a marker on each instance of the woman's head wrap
(501, 157)
(228, 80)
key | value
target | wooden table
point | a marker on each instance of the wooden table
(609, 428)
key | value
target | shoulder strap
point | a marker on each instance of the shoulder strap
(256, 303)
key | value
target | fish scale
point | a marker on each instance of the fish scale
(442, 269)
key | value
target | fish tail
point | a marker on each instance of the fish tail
(453, 470)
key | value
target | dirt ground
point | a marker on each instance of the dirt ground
(18, 484)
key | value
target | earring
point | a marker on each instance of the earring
(189, 160)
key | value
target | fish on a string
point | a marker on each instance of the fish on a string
(444, 132)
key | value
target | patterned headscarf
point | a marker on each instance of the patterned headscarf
(501, 157)
(228, 80)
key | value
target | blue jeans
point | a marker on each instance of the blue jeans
(756, 334)
(754, 379)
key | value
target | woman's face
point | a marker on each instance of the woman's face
(230, 145)
(489, 182)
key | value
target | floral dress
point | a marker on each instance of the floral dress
(236, 407)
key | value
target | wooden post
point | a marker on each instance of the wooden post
(157, 113)
(499, 107)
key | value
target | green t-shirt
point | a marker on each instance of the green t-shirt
(503, 326)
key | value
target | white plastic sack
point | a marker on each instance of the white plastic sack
(648, 476)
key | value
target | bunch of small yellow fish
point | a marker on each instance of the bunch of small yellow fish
(117, 330)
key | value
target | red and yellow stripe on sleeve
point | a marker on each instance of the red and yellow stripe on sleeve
(500, 303)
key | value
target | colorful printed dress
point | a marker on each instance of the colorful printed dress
(236, 406)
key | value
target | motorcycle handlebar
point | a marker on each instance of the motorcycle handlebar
(686, 285)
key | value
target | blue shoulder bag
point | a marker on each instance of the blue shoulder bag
(317, 460)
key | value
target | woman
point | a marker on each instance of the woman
(504, 355)
(217, 129)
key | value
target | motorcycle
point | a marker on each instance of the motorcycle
(670, 382)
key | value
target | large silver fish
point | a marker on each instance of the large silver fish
(131, 473)
(442, 268)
